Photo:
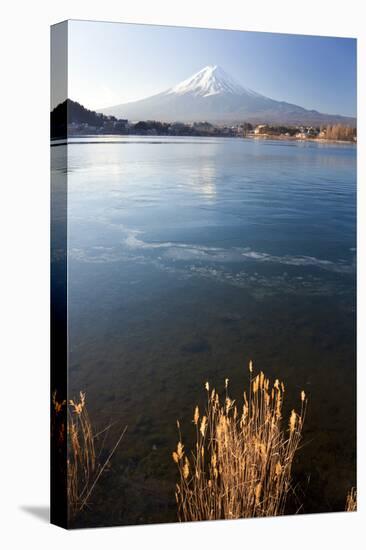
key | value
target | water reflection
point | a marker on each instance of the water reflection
(203, 179)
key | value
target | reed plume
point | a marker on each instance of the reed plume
(81, 461)
(242, 460)
(83, 467)
(351, 502)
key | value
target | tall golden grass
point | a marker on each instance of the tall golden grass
(351, 502)
(81, 459)
(242, 460)
(83, 466)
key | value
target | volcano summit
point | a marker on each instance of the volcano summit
(214, 96)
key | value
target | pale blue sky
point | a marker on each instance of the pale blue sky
(111, 63)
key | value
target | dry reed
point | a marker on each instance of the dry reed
(351, 502)
(241, 464)
(83, 467)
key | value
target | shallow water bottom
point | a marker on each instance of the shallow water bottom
(144, 366)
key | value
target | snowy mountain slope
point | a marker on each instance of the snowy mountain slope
(213, 95)
(211, 80)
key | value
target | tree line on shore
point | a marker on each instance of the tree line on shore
(339, 132)
(72, 118)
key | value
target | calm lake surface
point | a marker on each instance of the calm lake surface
(187, 258)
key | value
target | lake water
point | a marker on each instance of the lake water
(187, 258)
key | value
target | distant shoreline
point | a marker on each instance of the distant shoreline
(294, 138)
(264, 137)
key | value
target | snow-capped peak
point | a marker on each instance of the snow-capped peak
(210, 80)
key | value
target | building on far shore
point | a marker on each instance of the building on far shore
(261, 129)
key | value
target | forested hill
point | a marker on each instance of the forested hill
(70, 112)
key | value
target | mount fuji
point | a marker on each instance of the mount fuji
(214, 96)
